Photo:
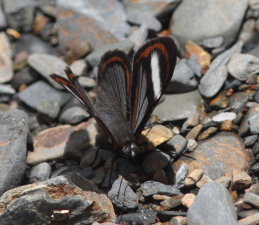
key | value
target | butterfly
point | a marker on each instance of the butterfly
(126, 93)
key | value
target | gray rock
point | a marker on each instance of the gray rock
(86, 82)
(89, 158)
(40, 62)
(166, 216)
(63, 170)
(178, 144)
(154, 7)
(226, 181)
(248, 30)
(213, 205)
(109, 179)
(40, 172)
(167, 110)
(62, 200)
(103, 21)
(253, 122)
(194, 64)
(125, 167)
(213, 42)
(250, 140)
(226, 152)
(144, 18)
(30, 44)
(112, 13)
(86, 172)
(13, 148)
(242, 66)
(6, 66)
(122, 195)
(245, 125)
(221, 117)
(139, 36)
(154, 161)
(6, 89)
(25, 76)
(3, 22)
(43, 98)
(180, 176)
(188, 21)
(238, 100)
(183, 79)
(142, 218)
(150, 188)
(79, 67)
(94, 57)
(73, 115)
(98, 176)
(191, 145)
(251, 199)
(20, 14)
(214, 78)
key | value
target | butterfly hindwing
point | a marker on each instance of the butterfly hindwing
(153, 67)
(113, 95)
(114, 79)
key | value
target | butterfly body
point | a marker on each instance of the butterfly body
(127, 93)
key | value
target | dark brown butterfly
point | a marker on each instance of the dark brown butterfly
(127, 93)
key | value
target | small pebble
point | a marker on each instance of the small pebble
(191, 145)
(188, 199)
(241, 180)
(193, 177)
(40, 172)
(227, 125)
(226, 181)
(207, 133)
(204, 180)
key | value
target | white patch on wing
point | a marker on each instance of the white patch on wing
(155, 74)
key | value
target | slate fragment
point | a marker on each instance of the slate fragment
(13, 148)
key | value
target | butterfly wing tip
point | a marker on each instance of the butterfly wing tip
(67, 70)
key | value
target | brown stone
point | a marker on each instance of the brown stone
(178, 220)
(188, 199)
(204, 180)
(207, 133)
(221, 101)
(194, 132)
(75, 28)
(218, 155)
(254, 189)
(160, 176)
(241, 180)
(152, 137)
(46, 199)
(62, 141)
(203, 56)
(193, 177)
(227, 125)
(250, 220)
(172, 202)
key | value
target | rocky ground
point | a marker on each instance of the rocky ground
(201, 165)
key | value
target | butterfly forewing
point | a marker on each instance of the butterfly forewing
(153, 67)
(72, 85)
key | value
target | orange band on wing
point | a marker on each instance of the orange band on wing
(119, 59)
